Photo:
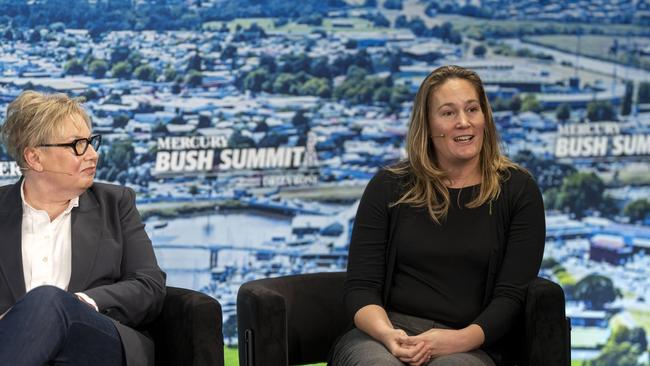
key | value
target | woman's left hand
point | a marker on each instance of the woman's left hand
(440, 342)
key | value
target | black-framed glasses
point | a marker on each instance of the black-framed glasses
(79, 146)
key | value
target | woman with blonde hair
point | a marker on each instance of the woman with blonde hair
(78, 273)
(444, 243)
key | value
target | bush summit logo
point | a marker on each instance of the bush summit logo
(598, 140)
(211, 155)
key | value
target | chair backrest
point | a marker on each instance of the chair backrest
(296, 319)
(309, 306)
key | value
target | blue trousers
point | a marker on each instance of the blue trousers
(49, 326)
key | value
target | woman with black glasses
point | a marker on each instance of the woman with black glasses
(77, 270)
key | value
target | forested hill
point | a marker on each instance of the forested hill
(108, 15)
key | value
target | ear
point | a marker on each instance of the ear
(33, 159)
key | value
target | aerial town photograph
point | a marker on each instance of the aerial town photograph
(249, 129)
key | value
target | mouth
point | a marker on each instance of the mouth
(89, 170)
(464, 138)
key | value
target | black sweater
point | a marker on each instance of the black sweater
(471, 269)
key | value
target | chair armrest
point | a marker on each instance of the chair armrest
(188, 330)
(547, 331)
(291, 319)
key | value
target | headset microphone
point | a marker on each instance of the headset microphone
(56, 172)
(49, 171)
(441, 135)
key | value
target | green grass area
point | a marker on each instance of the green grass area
(470, 26)
(565, 278)
(331, 25)
(641, 317)
(636, 174)
(231, 357)
(588, 336)
(597, 46)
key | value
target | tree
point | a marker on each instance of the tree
(300, 120)
(316, 86)
(635, 336)
(351, 44)
(273, 139)
(122, 177)
(286, 83)
(600, 111)
(119, 54)
(595, 291)
(135, 59)
(623, 348)
(563, 112)
(515, 104)
(393, 4)
(229, 52)
(194, 62)
(120, 121)
(626, 105)
(120, 154)
(98, 68)
(90, 94)
(8, 34)
(145, 73)
(169, 73)
(194, 78)
(637, 210)
(401, 21)
(73, 67)
(480, 51)
(204, 121)
(399, 94)
(121, 70)
(35, 36)
(531, 104)
(581, 192)
(644, 92)
(237, 140)
(616, 354)
(254, 80)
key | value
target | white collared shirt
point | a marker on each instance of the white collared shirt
(47, 247)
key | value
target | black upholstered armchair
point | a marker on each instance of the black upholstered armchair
(188, 330)
(296, 319)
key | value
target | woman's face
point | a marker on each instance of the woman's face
(456, 122)
(63, 169)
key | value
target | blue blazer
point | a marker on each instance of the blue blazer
(112, 261)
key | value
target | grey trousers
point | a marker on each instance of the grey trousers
(356, 348)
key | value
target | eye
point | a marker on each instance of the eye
(474, 109)
(447, 113)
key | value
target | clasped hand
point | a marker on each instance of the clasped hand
(419, 349)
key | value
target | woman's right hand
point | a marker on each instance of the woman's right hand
(414, 355)
(373, 320)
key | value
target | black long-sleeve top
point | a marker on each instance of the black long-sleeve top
(473, 268)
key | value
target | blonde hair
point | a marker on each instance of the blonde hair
(426, 184)
(34, 118)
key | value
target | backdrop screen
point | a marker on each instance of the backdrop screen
(249, 129)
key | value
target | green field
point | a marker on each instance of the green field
(596, 46)
(470, 26)
(331, 25)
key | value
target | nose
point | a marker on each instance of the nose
(463, 120)
(91, 153)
